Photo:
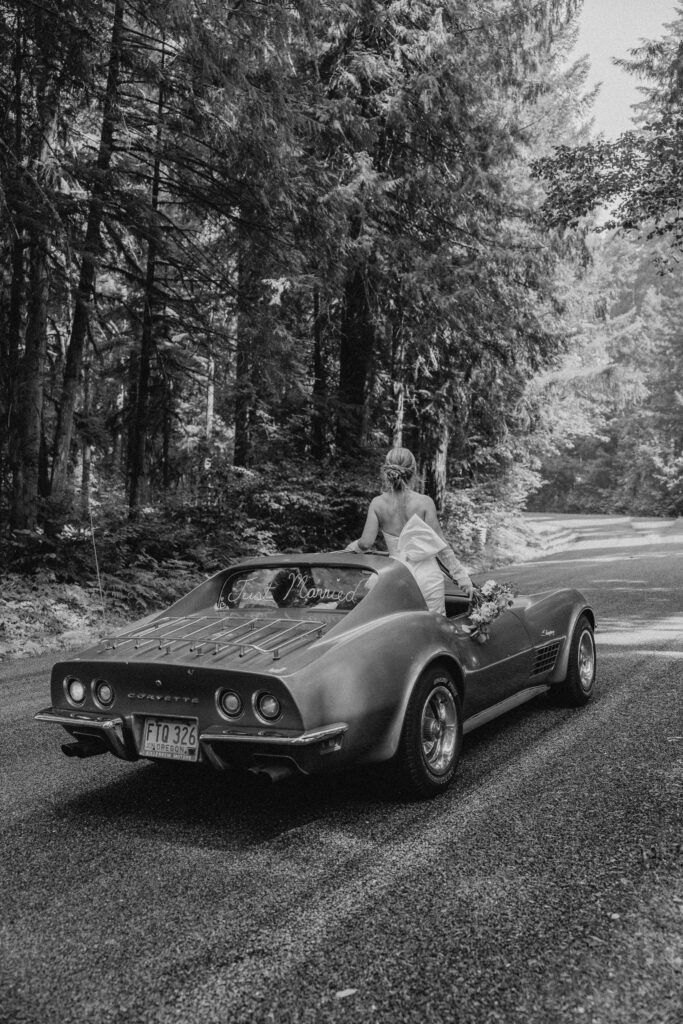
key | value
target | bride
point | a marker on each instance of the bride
(411, 530)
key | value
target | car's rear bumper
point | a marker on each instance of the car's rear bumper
(226, 747)
(223, 747)
(85, 726)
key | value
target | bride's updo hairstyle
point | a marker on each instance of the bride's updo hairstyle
(399, 469)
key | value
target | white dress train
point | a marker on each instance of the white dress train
(416, 546)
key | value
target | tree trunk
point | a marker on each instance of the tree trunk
(13, 344)
(138, 447)
(398, 383)
(244, 355)
(119, 454)
(86, 475)
(138, 468)
(210, 395)
(29, 392)
(15, 307)
(129, 415)
(319, 396)
(11, 410)
(86, 450)
(166, 440)
(86, 283)
(399, 417)
(244, 401)
(12, 341)
(44, 461)
(355, 363)
(435, 468)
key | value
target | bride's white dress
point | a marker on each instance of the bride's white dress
(416, 546)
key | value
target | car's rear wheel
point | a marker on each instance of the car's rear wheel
(431, 739)
(578, 685)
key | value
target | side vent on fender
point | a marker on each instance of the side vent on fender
(546, 657)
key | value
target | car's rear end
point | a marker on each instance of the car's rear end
(201, 688)
(284, 663)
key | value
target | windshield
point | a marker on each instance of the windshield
(294, 586)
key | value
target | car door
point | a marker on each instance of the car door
(501, 666)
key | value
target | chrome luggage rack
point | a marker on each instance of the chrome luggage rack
(273, 635)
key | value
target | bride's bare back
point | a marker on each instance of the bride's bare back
(391, 511)
(395, 508)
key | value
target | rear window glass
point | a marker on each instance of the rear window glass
(293, 586)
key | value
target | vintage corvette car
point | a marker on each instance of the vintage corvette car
(314, 662)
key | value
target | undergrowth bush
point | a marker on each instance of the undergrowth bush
(147, 562)
(137, 566)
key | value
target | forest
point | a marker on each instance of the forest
(247, 246)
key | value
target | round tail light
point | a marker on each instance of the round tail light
(268, 707)
(230, 703)
(104, 693)
(74, 689)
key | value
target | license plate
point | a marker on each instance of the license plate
(174, 738)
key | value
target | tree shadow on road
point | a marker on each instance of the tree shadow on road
(644, 629)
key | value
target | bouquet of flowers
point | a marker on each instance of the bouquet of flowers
(488, 601)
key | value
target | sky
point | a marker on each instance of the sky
(610, 28)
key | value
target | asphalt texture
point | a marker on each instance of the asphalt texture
(545, 886)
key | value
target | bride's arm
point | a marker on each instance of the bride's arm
(455, 569)
(369, 534)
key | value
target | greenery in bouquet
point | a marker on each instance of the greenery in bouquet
(488, 601)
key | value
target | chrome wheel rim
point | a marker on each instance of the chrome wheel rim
(439, 730)
(586, 659)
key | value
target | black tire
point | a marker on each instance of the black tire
(431, 739)
(578, 685)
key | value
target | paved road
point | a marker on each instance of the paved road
(546, 886)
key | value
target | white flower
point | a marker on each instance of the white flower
(489, 601)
